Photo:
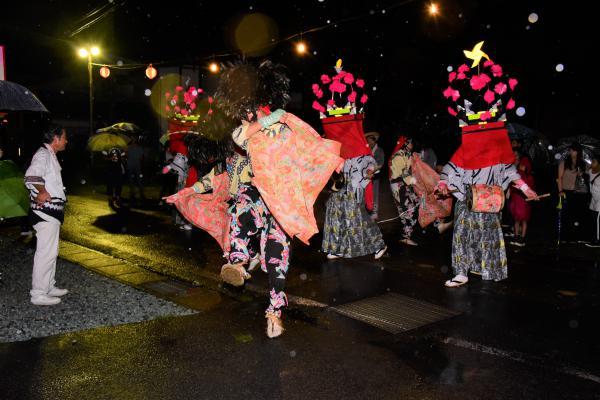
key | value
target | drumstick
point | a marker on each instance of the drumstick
(541, 196)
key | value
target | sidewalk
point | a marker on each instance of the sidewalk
(92, 301)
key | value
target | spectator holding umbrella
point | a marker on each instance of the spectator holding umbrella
(594, 175)
(574, 192)
(115, 171)
(135, 159)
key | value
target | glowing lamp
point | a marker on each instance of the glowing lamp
(151, 72)
(104, 72)
(213, 67)
(301, 48)
(433, 9)
(83, 53)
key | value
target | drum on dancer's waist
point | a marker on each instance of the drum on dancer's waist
(485, 198)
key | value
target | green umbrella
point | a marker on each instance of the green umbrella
(106, 141)
(14, 199)
(125, 128)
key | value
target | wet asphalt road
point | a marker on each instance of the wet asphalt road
(532, 336)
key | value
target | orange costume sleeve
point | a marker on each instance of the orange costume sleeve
(290, 169)
(208, 211)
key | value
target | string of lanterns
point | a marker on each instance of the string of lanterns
(151, 72)
(300, 46)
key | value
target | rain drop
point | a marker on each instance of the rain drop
(120, 62)
(576, 223)
(293, 353)
(371, 12)
(550, 147)
(62, 92)
(533, 18)
(314, 53)
(450, 68)
(303, 277)
(488, 26)
(560, 68)
(557, 156)
(528, 27)
(521, 111)
(381, 55)
(383, 11)
(147, 92)
(83, 181)
(328, 21)
(574, 324)
(374, 88)
(460, 15)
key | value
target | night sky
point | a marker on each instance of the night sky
(397, 47)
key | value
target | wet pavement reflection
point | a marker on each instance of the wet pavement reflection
(537, 329)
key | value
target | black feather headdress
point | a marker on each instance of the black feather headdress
(212, 143)
(244, 87)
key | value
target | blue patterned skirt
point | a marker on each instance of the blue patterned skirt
(478, 244)
(349, 231)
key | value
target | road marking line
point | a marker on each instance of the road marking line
(532, 361)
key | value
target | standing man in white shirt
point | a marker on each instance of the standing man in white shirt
(47, 200)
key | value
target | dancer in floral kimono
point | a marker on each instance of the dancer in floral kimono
(277, 204)
(401, 183)
(481, 170)
(205, 203)
(349, 231)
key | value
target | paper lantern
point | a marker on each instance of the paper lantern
(151, 72)
(104, 72)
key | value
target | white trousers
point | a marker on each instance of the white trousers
(44, 261)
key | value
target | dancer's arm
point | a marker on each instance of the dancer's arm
(451, 181)
(245, 131)
(205, 183)
(524, 187)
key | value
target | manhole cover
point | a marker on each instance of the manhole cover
(394, 312)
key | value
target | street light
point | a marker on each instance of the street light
(213, 67)
(301, 48)
(433, 9)
(88, 53)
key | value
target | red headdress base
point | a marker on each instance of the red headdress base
(483, 146)
(348, 130)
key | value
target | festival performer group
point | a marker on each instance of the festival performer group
(260, 169)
